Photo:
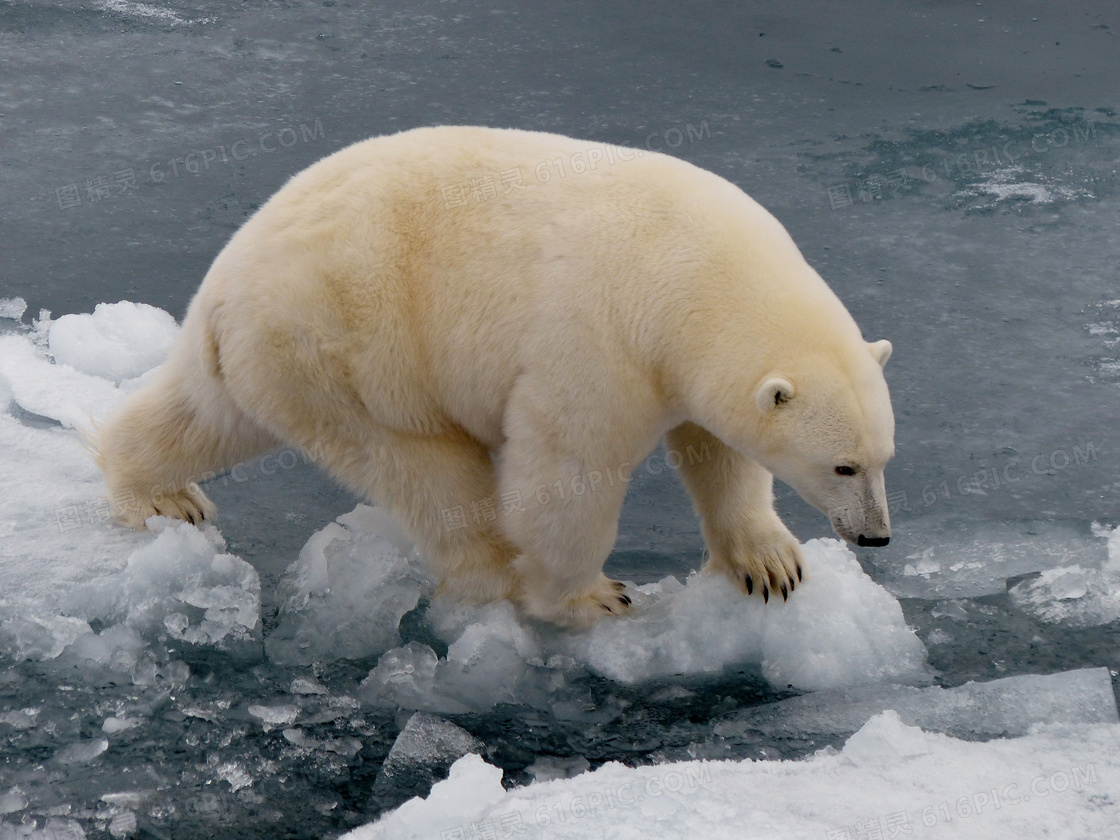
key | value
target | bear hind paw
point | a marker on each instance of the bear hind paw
(189, 504)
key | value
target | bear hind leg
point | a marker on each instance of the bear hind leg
(441, 488)
(165, 439)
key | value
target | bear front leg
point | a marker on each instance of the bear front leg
(565, 539)
(734, 497)
(567, 458)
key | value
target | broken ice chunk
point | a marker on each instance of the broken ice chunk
(841, 629)
(123, 824)
(12, 308)
(183, 572)
(273, 716)
(13, 801)
(302, 685)
(427, 746)
(884, 739)
(405, 678)
(233, 773)
(113, 725)
(345, 595)
(978, 557)
(20, 719)
(39, 637)
(300, 738)
(83, 752)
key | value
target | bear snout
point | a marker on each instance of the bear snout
(872, 542)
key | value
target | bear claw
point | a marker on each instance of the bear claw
(785, 593)
(766, 594)
(750, 585)
(577, 611)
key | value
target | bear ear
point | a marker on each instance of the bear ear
(772, 393)
(881, 350)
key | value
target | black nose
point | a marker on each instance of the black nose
(872, 542)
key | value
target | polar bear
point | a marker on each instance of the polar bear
(485, 330)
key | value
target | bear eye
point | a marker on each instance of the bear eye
(844, 469)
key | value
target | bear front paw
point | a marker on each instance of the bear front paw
(767, 566)
(580, 611)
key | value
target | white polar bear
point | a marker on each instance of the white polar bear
(484, 330)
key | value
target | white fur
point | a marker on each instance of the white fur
(439, 355)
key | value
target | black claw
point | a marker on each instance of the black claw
(190, 518)
(608, 609)
(750, 585)
(619, 585)
(799, 571)
(766, 594)
(792, 585)
(785, 593)
(625, 599)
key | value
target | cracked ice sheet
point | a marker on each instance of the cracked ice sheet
(890, 779)
(1008, 706)
(1073, 595)
(921, 562)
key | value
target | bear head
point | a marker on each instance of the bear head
(826, 428)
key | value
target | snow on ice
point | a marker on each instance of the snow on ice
(118, 341)
(890, 779)
(63, 563)
(841, 630)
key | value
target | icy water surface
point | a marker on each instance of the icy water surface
(951, 171)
